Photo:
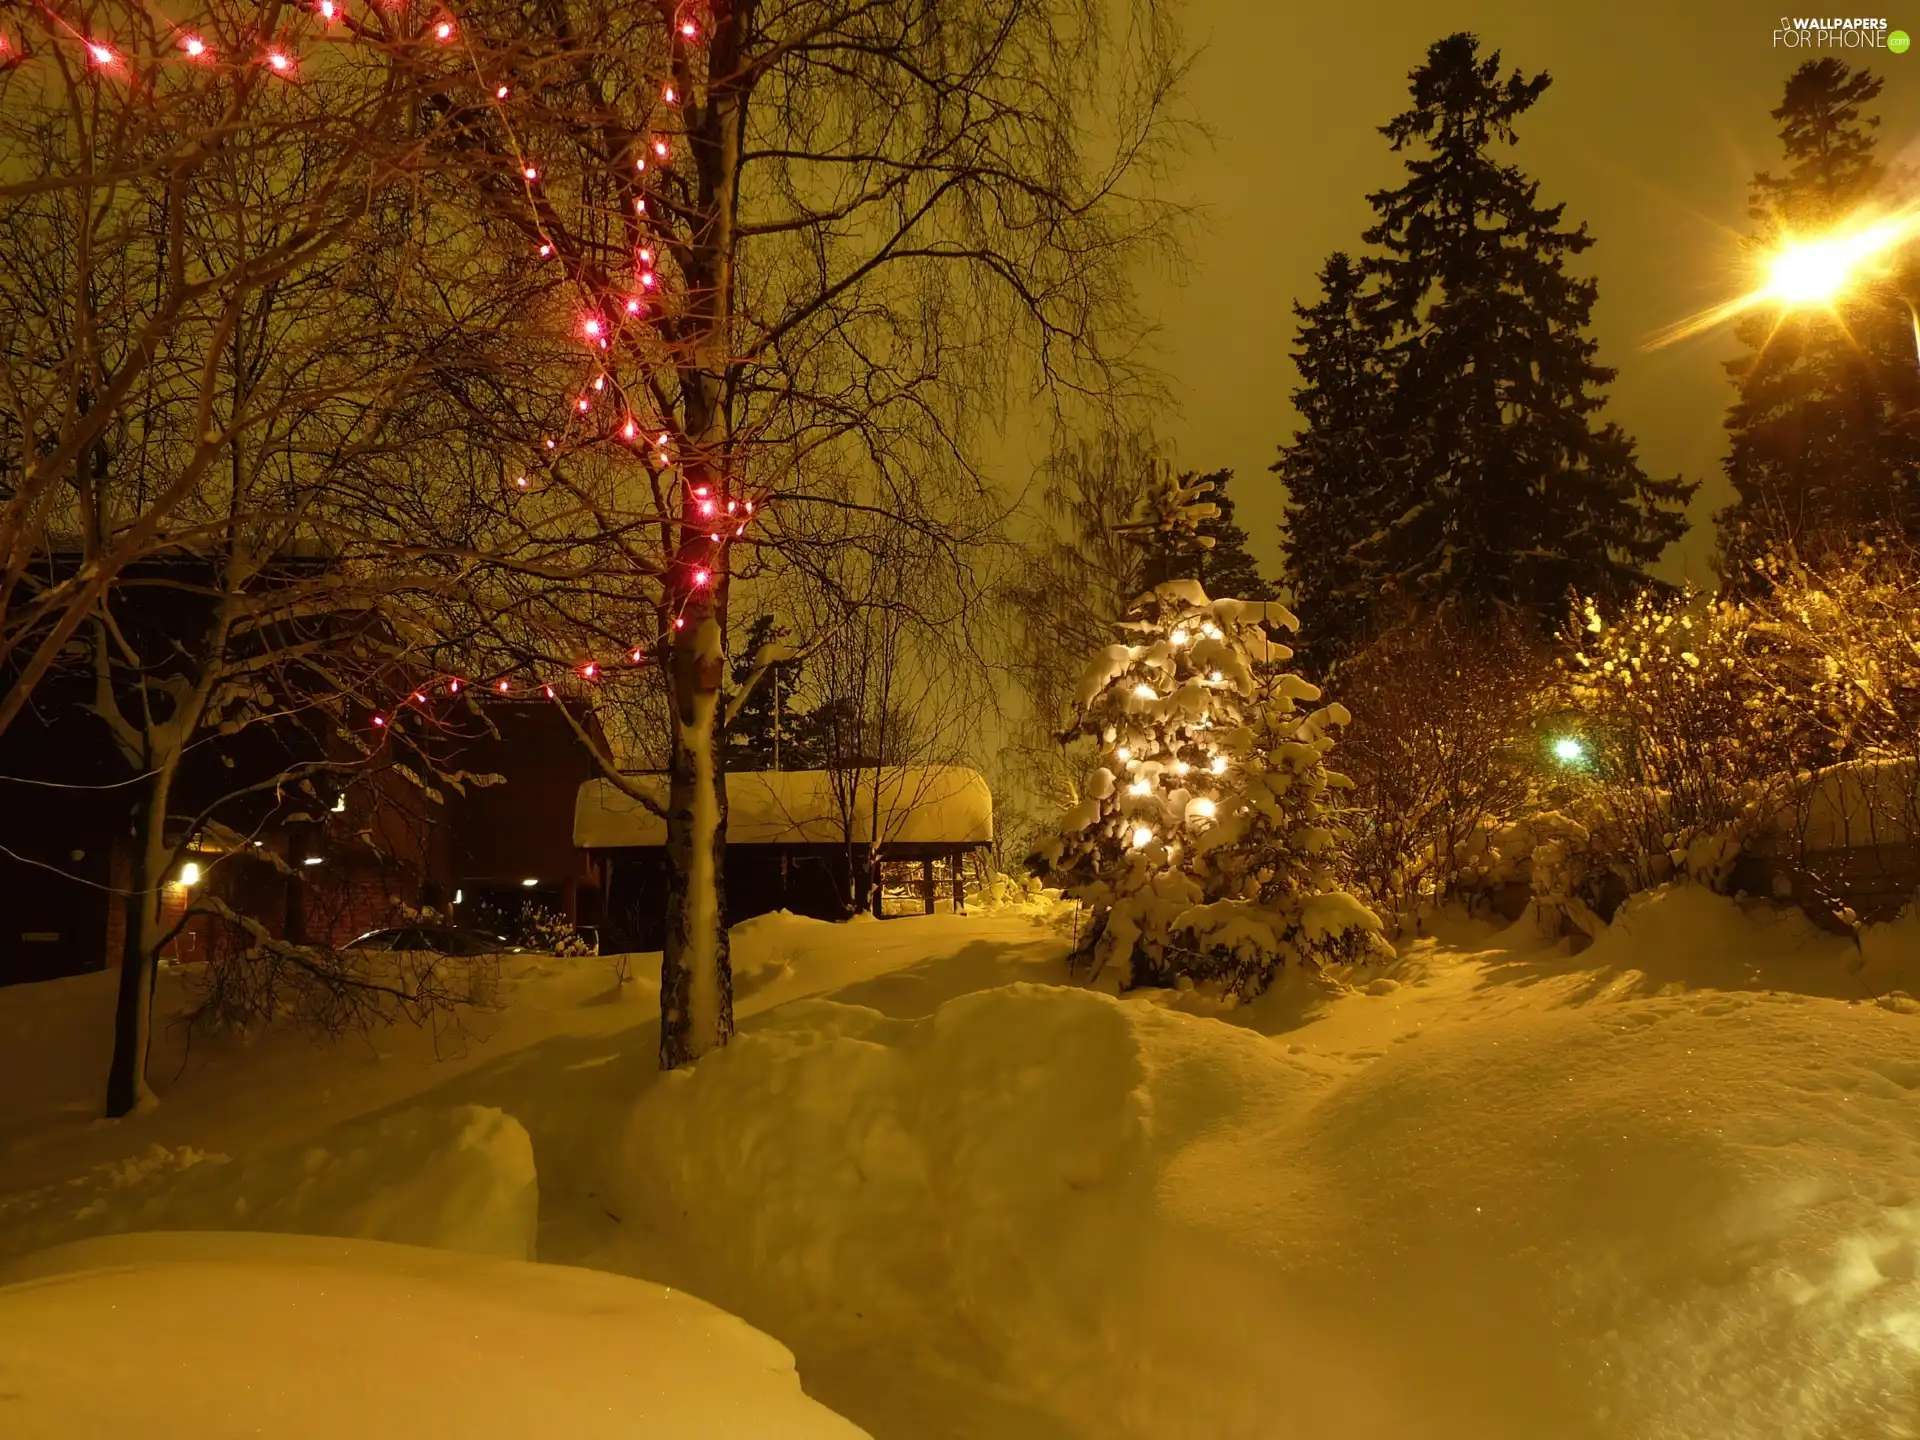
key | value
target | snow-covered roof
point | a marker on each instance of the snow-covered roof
(918, 805)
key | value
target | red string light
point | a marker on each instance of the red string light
(443, 29)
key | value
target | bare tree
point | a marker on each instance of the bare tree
(1447, 719)
(177, 191)
(228, 336)
(799, 251)
(896, 690)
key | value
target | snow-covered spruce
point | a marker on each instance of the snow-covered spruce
(1207, 841)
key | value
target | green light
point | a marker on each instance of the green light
(1569, 751)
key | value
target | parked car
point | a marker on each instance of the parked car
(441, 940)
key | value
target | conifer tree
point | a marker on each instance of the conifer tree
(764, 731)
(1225, 567)
(1207, 840)
(1335, 467)
(1503, 487)
(1825, 447)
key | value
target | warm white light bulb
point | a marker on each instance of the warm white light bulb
(1124, 753)
(1179, 637)
(1146, 691)
(1141, 787)
(1214, 676)
(190, 874)
(1219, 765)
(1181, 767)
(1142, 836)
(1202, 807)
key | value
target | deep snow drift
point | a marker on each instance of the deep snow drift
(1506, 1195)
(1668, 1189)
(293, 1337)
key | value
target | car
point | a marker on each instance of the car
(439, 939)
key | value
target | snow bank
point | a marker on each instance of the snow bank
(1565, 1206)
(459, 1178)
(297, 1337)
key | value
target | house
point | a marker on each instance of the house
(799, 840)
(316, 868)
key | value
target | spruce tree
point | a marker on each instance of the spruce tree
(1207, 840)
(1225, 567)
(1334, 468)
(1826, 449)
(1503, 488)
(764, 735)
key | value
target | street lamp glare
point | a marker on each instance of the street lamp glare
(1811, 274)
(1569, 751)
(1816, 272)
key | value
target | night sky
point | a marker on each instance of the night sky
(1656, 120)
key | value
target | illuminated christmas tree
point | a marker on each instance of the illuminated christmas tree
(1207, 840)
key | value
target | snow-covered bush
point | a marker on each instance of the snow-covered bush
(1682, 753)
(1208, 839)
(553, 934)
(1442, 750)
(1844, 660)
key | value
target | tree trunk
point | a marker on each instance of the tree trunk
(696, 976)
(127, 1088)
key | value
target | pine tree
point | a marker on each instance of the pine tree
(1335, 466)
(1503, 488)
(1207, 841)
(1826, 450)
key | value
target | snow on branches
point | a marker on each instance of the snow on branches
(1207, 840)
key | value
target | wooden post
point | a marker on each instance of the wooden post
(926, 882)
(959, 883)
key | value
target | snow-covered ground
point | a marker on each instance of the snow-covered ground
(1668, 1189)
(299, 1338)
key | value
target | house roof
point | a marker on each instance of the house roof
(918, 805)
